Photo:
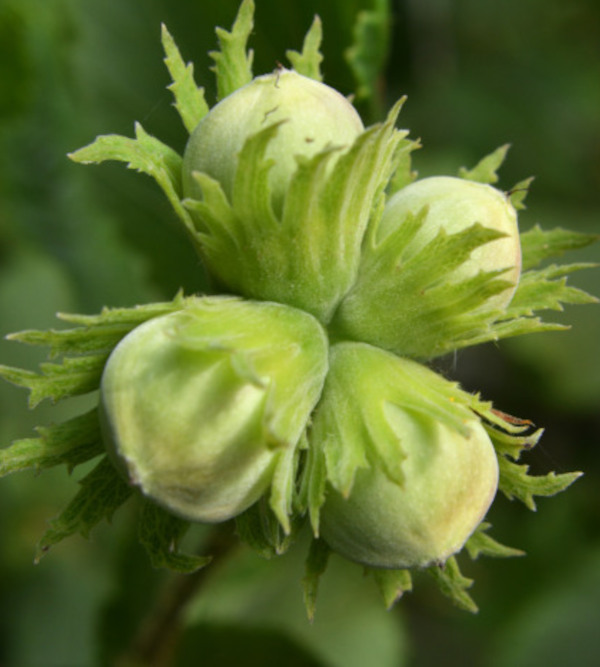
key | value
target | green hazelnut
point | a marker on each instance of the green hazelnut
(197, 405)
(411, 470)
(455, 204)
(312, 116)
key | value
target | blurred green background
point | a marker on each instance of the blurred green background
(477, 75)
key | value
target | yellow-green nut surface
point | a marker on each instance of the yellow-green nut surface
(313, 116)
(455, 204)
(197, 405)
(427, 471)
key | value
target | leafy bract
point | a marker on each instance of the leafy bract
(480, 543)
(538, 244)
(308, 62)
(102, 492)
(189, 99)
(316, 564)
(392, 584)
(72, 442)
(84, 350)
(310, 257)
(453, 584)
(159, 532)
(145, 154)
(485, 170)
(233, 65)
(369, 50)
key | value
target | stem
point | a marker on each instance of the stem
(155, 643)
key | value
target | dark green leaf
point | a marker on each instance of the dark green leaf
(316, 564)
(102, 491)
(159, 532)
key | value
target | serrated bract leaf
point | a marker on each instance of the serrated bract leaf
(518, 193)
(544, 289)
(73, 377)
(538, 244)
(189, 99)
(410, 304)
(147, 155)
(102, 492)
(454, 585)
(159, 532)
(369, 50)
(85, 350)
(308, 62)
(392, 584)
(233, 66)
(485, 170)
(547, 289)
(515, 482)
(480, 543)
(316, 564)
(403, 173)
(72, 442)
(308, 259)
(261, 530)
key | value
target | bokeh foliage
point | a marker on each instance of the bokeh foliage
(477, 75)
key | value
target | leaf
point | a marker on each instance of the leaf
(309, 61)
(480, 543)
(93, 339)
(538, 245)
(75, 376)
(369, 51)
(511, 444)
(233, 66)
(102, 492)
(310, 257)
(313, 480)
(316, 564)
(515, 482)
(147, 155)
(261, 530)
(88, 346)
(73, 442)
(518, 193)
(283, 484)
(392, 584)
(328, 218)
(159, 533)
(485, 170)
(453, 584)
(547, 289)
(403, 173)
(427, 312)
(189, 99)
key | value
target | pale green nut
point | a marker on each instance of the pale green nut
(197, 406)
(455, 204)
(423, 470)
(313, 116)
